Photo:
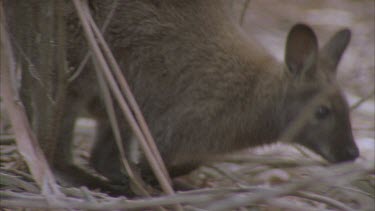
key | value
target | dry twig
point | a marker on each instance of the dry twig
(137, 122)
(243, 12)
(25, 138)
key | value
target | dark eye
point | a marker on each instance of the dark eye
(322, 112)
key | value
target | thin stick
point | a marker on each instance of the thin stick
(243, 12)
(324, 199)
(130, 97)
(116, 131)
(25, 138)
(118, 96)
(87, 56)
(286, 204)
(362, 100)
(148, 145)
(99, 58)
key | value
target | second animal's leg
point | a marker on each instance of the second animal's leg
(67, 172)
(105, 156)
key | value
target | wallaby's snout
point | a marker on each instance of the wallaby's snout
(347, 151)
(322, 124)
(338, 154)
(350, 153)
(336, 148)
(343, 147)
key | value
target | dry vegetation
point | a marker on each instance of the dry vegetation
(277, 177)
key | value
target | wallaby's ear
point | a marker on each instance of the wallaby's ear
(301, 52)
(332, 51)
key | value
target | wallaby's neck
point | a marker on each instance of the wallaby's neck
(267, 103)
(266, 97)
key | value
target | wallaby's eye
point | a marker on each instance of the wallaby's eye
(322, 112)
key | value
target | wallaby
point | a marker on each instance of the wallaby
(206, 88)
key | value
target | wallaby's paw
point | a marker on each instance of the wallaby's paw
(71, 175)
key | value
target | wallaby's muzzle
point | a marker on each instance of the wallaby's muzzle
(336, 153)
(349, 153)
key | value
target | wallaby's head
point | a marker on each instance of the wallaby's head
(316, 114)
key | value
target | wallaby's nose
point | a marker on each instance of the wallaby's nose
(353, 153)
(349, 154)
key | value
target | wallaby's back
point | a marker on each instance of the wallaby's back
(188, 63)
